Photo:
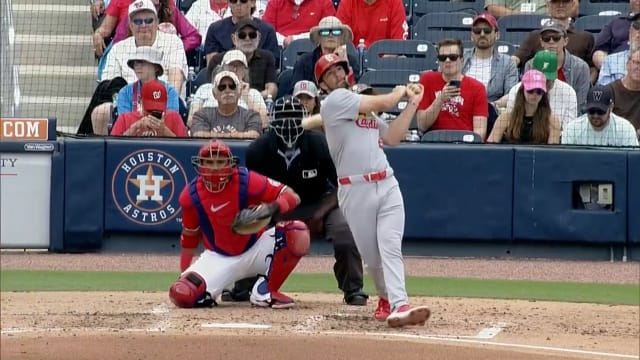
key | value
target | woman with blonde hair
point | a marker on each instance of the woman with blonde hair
(531, 120)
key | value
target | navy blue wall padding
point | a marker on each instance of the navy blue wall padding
(56, 225)
(543, 209)
(633, 196)
(84, 193)
(455, 192)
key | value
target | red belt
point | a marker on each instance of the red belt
(370, 177)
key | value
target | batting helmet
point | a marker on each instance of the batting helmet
(326, 61)
(286, 119)
(215, 164)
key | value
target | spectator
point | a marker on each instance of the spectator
(227, 120)
(562, 97)
(307, 92)
(500, 8)
(531, 120)
(262, 65)
(613, 37)
(106, 92)
(496, 71)
(292, 19)
(250, 98)
(452, 101)
(374, 20)
(330, 37)
(571, 69)
(144, 26)
(580, 42)
(154, 119)
(219, 40)
(614, 66)
(626, 91)
(600, 126)
(203, 13)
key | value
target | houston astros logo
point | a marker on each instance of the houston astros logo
(146, 185)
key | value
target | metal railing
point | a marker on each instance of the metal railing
(9, 85)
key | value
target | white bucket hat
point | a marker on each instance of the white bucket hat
(327, 23)
(148, 54)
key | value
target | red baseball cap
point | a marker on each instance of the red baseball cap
(488, 18)
(154, 96)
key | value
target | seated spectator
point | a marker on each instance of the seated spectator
(106, 92)
(614, 36)
(144, 26)
(374, 20)
(293, 19)
(154, 119)
(614, 66)
(117, 18)
(531, 120)
(500, 8)
(600, 126)
(307, 92)
(562, 97)
(571, 69)
(452, 101)
(250, 98)
(218, 38)
(330, 37)
(496, 71)
(228, 120)
(626, 91)
(203, 13)
(579, 42)
(262, 65)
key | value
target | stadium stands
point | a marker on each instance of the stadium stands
(593, 23)
(384, 81)
(415, 55)
(588, 7)
(514, 28)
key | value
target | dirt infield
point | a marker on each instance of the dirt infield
(138, 325)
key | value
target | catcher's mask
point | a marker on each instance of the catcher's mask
(286, 119)
(215, 164)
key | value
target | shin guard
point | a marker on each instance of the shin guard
(291, 243)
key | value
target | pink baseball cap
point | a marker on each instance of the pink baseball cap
(534, 79)
(488, 18)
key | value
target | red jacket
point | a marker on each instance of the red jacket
(384, 19)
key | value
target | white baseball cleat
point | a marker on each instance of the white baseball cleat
(405, 315)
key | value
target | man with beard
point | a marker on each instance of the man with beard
(600, 126)
(626, 91)
(496, 71)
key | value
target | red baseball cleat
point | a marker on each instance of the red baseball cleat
(383, 310)
(406, 315)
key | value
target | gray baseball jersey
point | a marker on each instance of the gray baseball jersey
(354, 140)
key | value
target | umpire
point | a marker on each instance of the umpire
(301, 160)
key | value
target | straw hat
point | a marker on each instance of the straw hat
(331, 22)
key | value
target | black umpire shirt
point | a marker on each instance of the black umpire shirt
(307, 169)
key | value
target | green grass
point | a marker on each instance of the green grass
(21, 280)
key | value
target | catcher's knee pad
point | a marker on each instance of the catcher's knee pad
(188, 290)
(296, 235)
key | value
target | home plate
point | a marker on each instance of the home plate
(236, 326)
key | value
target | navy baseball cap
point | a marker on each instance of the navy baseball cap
(599, 98)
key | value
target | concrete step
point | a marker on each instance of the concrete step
(54, 50)
(68, 81)
(52, 19)
(68, 114)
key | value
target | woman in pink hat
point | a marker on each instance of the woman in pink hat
(531, 120)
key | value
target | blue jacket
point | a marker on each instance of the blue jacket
(504, 73)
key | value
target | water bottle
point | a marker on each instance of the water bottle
(361, 47)
(191, 78)
(269, 103)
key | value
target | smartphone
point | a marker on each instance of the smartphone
(455, 83)
(157, 114)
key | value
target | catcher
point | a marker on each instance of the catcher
(229, 207)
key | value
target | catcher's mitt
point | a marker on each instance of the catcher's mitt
(250, 221)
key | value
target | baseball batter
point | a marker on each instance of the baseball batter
(368, 193)
(210, 204)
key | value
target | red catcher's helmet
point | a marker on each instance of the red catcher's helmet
(325, 62)
(215, 164)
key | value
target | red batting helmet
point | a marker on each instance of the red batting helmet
(326, 61)
(215, 164)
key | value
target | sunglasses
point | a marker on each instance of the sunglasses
(251, 34)
(536, 91)
(548, 38)
(596, 112)
(236, 1)
(223, 87)
(445, 57)
(479, 30)
(327, 32)
(146, 21)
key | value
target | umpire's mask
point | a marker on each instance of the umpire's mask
(286, 119)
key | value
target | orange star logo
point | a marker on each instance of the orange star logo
(149, 184)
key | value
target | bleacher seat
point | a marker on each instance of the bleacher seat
(416, 55)
(423, 7)
(451, 136)
(588, 7)
(503, 46)
(200, 80)
(296, 48)
(284, 82)
(514, 28)
(593, 23)
(448, 21)
(383, 81)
